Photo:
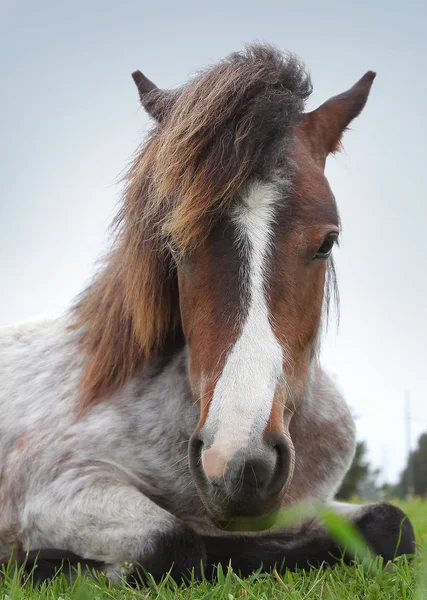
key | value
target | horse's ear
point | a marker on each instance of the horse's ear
(324, 127)
(156, 102)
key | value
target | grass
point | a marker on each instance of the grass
(369, 580)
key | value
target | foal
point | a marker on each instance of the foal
(182, 395)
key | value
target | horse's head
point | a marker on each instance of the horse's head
(231, 199)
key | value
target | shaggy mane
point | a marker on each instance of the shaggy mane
(228, 124)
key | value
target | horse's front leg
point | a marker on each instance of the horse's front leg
(110, 523)
(387, 529)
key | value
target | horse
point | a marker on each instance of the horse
(181, 396)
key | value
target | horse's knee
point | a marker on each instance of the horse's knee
(388, 530)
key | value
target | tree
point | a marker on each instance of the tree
(359, 476)
(391, 490)
(415, 474)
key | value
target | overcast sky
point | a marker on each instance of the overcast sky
(69, 121)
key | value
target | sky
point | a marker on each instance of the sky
(70, 121)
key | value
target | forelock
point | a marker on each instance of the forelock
(228, 124)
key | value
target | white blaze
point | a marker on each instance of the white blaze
(243, 397)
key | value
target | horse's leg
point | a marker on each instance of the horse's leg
(113, 524)
(118, 529)
(386, 528)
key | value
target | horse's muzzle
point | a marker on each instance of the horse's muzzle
(251, 484)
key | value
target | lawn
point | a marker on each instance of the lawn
(367, 580)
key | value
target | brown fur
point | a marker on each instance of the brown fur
(324, 127)
(296, 291)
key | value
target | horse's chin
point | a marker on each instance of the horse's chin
(246, 523)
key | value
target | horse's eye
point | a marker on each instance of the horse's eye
(173, 248)
(326, 248)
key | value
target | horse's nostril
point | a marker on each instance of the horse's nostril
(283, 463)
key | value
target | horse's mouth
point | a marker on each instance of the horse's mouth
(259, 514)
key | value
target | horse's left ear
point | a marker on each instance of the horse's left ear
(156, 102)
(324, 127)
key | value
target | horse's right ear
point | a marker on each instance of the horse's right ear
(156, 102)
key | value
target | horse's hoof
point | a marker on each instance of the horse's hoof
(388, 530)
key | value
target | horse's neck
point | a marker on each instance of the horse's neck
(160, 397)
(166, 376)
(160, 415)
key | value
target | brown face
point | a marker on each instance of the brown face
(251, 299)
